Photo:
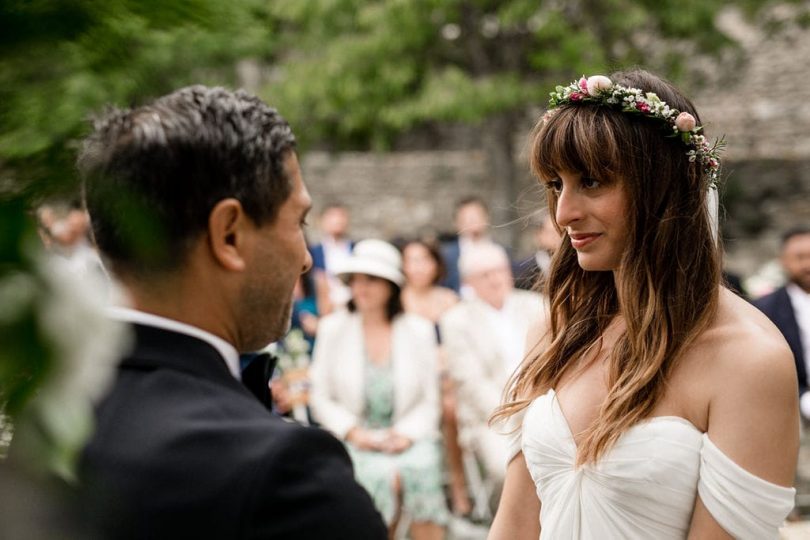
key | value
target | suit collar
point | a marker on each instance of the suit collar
(160, 348)
(157, 348)
(227, 351)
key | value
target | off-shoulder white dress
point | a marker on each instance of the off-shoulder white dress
(643, 487)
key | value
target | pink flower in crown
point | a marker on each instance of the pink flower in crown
(713, 163)
(597, 84)
(583, 85)
(575, 96)
(685, 122)
(643, 107)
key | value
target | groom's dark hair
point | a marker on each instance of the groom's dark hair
(153, 174)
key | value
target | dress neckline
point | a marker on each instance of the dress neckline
(638, 425)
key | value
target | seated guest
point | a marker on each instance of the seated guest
(375, 385)
(289, 387)
(305, 308)
(484, 339)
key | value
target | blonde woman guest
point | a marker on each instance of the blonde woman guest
(424, 269)
(375, 385)
(656, 403)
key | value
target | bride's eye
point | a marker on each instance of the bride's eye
(590, 183)
(554, 186)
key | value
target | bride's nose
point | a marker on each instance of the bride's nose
(569, 207)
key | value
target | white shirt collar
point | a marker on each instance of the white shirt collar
(329, 242)
(797, 294)
(225, 349)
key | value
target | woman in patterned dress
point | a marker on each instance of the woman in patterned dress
(375, 385)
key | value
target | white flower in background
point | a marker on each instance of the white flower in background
(295, 343)
(85, 345)
(293, 352)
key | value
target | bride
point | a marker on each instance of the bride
(654, 403)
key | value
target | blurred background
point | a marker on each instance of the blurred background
(401, 108)
(413, 104)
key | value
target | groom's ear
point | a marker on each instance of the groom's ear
(230, 235)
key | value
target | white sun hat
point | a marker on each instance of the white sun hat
(373, 258)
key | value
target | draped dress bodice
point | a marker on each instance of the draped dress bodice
(644, 486)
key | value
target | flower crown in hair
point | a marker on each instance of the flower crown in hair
(601, 90)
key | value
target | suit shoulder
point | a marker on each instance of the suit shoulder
(310, 473)
(302, 441)
(280, 445)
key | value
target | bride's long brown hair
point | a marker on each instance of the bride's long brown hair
(667, 287)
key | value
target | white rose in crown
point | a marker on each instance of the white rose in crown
(685, 122)
(598, 84)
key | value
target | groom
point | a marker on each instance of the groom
(197, 204)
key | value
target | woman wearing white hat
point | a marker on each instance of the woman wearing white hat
(374, 384)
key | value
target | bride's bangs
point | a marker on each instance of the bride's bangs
(578, 139)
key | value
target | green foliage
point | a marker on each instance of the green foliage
(25, 355)
(358, 72)
(62, 60)
(350, 73)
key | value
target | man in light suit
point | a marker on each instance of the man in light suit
(197, 203)
(484, 339)
(789, 307)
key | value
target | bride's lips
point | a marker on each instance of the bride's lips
(580, 240)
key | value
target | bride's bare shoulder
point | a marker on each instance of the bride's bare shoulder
(743, 348)
(747, 378)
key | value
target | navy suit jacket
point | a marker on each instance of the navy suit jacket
(779, 310)
(318, 257)
(183, 450)
(451, 251)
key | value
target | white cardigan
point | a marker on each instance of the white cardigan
(337, 395)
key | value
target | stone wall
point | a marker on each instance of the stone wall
(408, 193)
(413, 193)
(763, 108)
(762, 105)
